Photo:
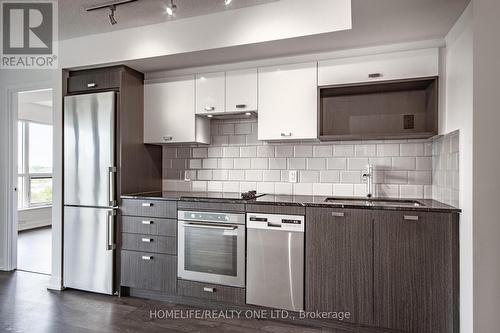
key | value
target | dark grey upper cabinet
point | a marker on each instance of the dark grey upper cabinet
(416, 271)
(339, 257)
(379, 110)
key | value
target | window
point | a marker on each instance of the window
(34, 164)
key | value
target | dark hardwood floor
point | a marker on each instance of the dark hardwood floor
(27, 306)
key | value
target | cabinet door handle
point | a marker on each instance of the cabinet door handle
(286, 134)
(168, 138)
(147, 240)
(411, 218)
(209, 108)
(208, 289)
(374, 75)
(147, 257)
(91, 85)
(147, 222)
(338, 214)
(241, 106)
(147, 204)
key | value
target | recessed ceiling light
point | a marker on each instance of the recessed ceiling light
(171, 8)
(227, 2)
(248, 113)
(209, 116)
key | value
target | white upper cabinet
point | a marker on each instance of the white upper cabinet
(169, 115)
(241, 90)
(288, 102)
(380, 67)
(210, 93)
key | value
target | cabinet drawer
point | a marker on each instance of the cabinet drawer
(149, 226)
(149, 243)
(381, 67)
(212, 292)
(94, 80)
(150, 208)
(149, 271)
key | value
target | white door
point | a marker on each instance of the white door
(169, 111)
(210, 93)
(241, 90)
(288, 102)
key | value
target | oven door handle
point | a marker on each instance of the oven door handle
(207, 226)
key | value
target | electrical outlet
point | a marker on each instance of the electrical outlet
(186, 176)
(292, 176)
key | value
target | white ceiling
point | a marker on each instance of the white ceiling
(74, 21)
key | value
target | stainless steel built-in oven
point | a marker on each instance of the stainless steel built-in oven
(211, 247)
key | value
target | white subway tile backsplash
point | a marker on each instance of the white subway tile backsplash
(242, 163)
(231, 152)
(329, 176)
(297, 163)
(412, 149)
(250, 151)
(322, 151)
(236, 160)
(337, 163)
(277, 163)
(366, 150)
(283, 188)
(303, 151)
(265, 151)
(357, 163)
(260, 163)
(343, 190)
(283, 151)
(343, 150)
(316, 163)
(309, 177)
(271, 175)
(403, 163)
(323, 189)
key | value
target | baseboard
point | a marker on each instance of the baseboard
(55, 283)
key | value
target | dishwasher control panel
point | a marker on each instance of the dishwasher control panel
(276, 222)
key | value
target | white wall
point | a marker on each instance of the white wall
(486, 187)
(34, 218)
(272, 21)
(457, 111)
(12, 80)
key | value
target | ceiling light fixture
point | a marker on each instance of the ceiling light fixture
(112, 8)
(171, 8)
(227, 2)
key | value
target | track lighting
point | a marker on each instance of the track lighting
(111, 15)
(112, 8)
(171, 8)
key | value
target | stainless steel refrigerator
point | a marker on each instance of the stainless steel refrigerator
(89, 191)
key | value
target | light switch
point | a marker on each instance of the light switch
(292, 176)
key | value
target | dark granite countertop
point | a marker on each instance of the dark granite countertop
(428, 205)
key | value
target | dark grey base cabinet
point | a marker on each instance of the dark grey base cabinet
(416, 271)
(211, 292)
(339, 262)
(150, 271)
(395, 270)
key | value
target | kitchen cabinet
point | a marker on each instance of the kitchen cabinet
(379, 67)
(211, 292)
(210, 93)
(416, 271)
(169, 113)
(339, 262)
(94, 80)
(287, 102)
(241, 90)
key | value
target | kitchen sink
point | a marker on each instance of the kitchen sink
(375, 202)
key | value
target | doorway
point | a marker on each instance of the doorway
(34, 180)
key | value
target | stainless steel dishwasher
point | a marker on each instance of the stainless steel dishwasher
(275, 261)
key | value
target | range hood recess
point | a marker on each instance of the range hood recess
(229, 115)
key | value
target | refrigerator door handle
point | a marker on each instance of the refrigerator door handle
(111, 182)
(110, 231)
